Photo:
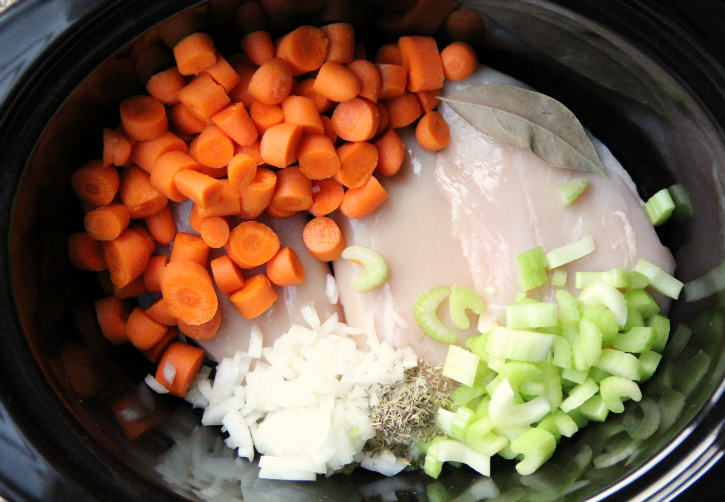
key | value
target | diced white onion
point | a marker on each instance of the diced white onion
(331, 290)
(169, 372)
(154, 385)
(255, 342)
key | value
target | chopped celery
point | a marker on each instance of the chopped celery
(661, 325)
(638, 281)
(601, 293)
(616, 277)
(660, 280)
(558, 278)
(567, 426)
(571, 190)
(534, 315)
(461, 365)
(579, 395)
(642, 301)
(519, 345)
(496, 363)
(354, 432)
(376, 270)
(620, 364)
(598, 374)
(532, 260)
(505, 413)
(576, 376)
(570, 332)
(520, 296)
(595, 409)
(533, 279)
(649, 361)
(477, 345)
(480, 427)
(571, 252)
(518, 372)
(507, 453)
(563, 354)
(579, 419)
(460, 421)
(588, 347)
(605, 320)
(537, 446)
(620, 450)
(491, 289)
(671, 405)
(614, 388)
(570, 311)
(424, 310)
(642, 420)
(690, 374)
(679, 340)
(683, 206)
(444, 421)
(551, 330)
(636, 340)
(549, 425)
(552, 385)
(433, 466)
(659, 207)
(461, 299)
(634, 318)
(480, 439)
(450, 450)
(481, 409)
(465, 393)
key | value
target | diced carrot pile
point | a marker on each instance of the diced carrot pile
(297, 124)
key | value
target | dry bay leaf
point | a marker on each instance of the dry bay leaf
(531, 120)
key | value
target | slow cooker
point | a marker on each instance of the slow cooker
(646, 77)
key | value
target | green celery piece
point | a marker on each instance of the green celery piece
(534, 315)
(465, 394)
(477, 345)
(634, 318)
(642, 301)
(659, 207)
(571, 252)
(460, 422)
(690, 374)
(595, 409)
(576, 376)
(567, 426)
(579, 419)
(552, 385)
(461, 365)
(480, 439)
(636, 340)
(620, 364)
(605, 320)
(436, 492)
(563, 354)
(649, 361)
(532, 260)
(558, 278)
(671, 404)
(642, 420)
(683, 205)
(433, 466)
(424, 310)
(601, 293)
(616, 277)
(598, 374)
(452, 451)
(376, 270)
(614, 388)
(579, 395)
(519, 345)
(659, 280)
(507, 453)
(484, 374)
(549, 424)
(505, 412)
(570, 332)
(461, 299)
(637, 280)
(537, 446)
(661, 325)
(496, 362)
(571, 190)
(481, 409)
(519, 372)
(588, 347)
(570, 311)
(680, 339)
(552, 330)
(520, 296)
(533, 279)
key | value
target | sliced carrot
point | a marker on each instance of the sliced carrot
(164, 85)
(152, 275)
(258, 47)
(404, 109)
(317, 157)
(195, 218)
(95, 183)
(195, 54)
(203, 331)
(112, 314)
(428, 100)
(203, 97)
(227, 275)
(356, 120)
(184, 121)
(280, 143)
(265, 116)
(369, 76)
(393, 79)
(212, 172)
(391, 152)
(420, 55)
(293, 191)
(116, 148)
(285, 268)
(227, 204)
(301, 110)
(158, 312)
(255, 298)
(465, 26)
(252, 244)
(459, 61)
(133, 289)
(215, 231)
(142, 331)
(165, 170)
(241, 170)
(341, 42)
(252, 151)
(189, 247)
(186, 361)
(223, 74)
(143, 117)
(359, 202)
(161, 226)
(251, 17)
(213, 147)
(304, 49)
(326, 196)
(336, 82)
(126, 256)
(139, 195)
(432, 132)
(146, 153)
(107, 222)
(240, 93)
(329, 130)
(278, 212)
(189, 293)
(256, 196)
(202, 189)
(357, 163)
(323, 239)
(272, 82)
(154, 353)
(388, 54)
(236, 123)
(145, 237)
(306, 89)
(384, 118)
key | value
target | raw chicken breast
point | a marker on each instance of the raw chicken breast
(235, 330)
(460, 217)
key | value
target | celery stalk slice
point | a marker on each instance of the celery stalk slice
(460, 421)
(661, 325)
(571, 190)
(637, 280)
(595, 409)
(620, 364)
(450, 450)
(537, 446)
(461, 299)
(649, 361)
(519, 345)
(479, 437)
(659, 207)
(615, 388)
(570, 311)
(571, 252)
(579, 395)
(533, 315)
(636, 340)
(432, 465)
(532, 260)
(588, 347)
(660, 280)
(424, 310)
(601, 293)
(616, 277)
(558, 278)
(605, 320)
(461, 365)
(376, 270)
(465, 394)
(634, 318)
(505, 413)
(642, 301)
(567, 426)
(576, 376)
(549, 425)
(563, 353)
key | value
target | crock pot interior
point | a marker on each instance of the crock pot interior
(649, 111)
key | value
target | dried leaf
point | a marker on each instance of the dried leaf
(531, 120)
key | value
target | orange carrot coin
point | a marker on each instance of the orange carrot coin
(285, 268)
(189, 293)
(143, 117)
(252, 244)
(317, 157)
(323, 239)
(280, 143)
(255, 298)
(326, 196)
(432, 132)
(357, 163)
